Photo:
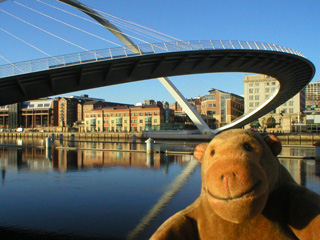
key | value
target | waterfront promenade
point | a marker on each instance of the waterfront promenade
(293, 138)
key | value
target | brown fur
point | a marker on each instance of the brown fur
(246, 194)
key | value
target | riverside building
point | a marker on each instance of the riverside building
(257, 89)
(127, 118)
(219, 108)
(313, 95)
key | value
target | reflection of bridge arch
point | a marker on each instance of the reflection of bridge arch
(291, 70)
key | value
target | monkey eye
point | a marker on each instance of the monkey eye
(247, 147)
(212, 153)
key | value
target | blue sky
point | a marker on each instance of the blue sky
(291, 23)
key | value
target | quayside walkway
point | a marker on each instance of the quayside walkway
(299, 139)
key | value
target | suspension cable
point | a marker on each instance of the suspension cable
(38, 49)
(125, 25)
(45, 31)
(89, 20)
(138, 25)
(12, 64)
(69, 25)
(118, 31)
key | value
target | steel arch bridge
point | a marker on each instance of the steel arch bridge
(62, 74)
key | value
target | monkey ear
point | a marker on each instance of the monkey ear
(274, 143)
(199, 151)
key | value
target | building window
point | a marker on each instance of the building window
(257, 97)
(250, 90)
(256, 90)
(250, 97)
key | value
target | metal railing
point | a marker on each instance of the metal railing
(144, 49)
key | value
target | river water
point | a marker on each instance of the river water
(94, 194)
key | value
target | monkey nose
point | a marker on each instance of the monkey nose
(228, 176)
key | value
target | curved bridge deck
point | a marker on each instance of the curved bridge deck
(289, 67)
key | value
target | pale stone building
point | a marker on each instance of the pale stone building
(258, 88)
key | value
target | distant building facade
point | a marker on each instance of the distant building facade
(219, 108)
(29, 114)
(313, 95)
(39, 113)
(127, 118)
(4, 116)
(68, 111)
(195, 103)
(257, 89)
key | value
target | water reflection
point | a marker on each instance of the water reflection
(89, 155)
(91, 192)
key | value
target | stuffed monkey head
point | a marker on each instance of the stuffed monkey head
(239, 170)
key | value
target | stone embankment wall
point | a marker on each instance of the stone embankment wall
(303, 139)
(300, 139)
(78, 136)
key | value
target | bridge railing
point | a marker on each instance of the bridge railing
(144, 49)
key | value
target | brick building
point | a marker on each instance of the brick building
(220, 108)
(39, 113)
(127, 118)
